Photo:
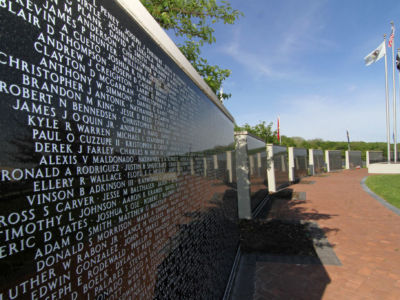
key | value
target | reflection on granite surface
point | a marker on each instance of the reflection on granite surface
(335, 160)
(114, 180)
(375, 156)
(355, 159)
(300, 163)
(319, 162)
(281, 166)
(258, 170)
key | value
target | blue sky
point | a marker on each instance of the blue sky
(303, 60)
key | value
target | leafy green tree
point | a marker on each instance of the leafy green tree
(266, 133)
(192, 20)
(287, 141)
(261, 130)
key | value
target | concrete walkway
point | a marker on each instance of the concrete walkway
(364, 235)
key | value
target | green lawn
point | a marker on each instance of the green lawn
(386, 186)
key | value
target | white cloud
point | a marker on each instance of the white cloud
(302, 32)
(280, 51)
(250, 60)
(352, 88)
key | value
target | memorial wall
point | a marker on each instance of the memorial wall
(113, 162)
(335, 160)
(354, 159)
(298, 163)
(258, 170)
(374, 157)
(281, 171)
(317, 161)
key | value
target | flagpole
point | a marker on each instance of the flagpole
(398, 51)
(387, 104)
(348, 139)
(394, 102)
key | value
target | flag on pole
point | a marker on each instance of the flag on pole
(376, 55)
(348, 139)
(391, 38)
(278, 133)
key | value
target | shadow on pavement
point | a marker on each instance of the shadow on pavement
(278, 276)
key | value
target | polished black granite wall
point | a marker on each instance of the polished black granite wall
(375, 156)
(113, 162)
(257, 153)
(335, 160)
(300, 163)
(355, 159)
(319, 162)
(281, 166)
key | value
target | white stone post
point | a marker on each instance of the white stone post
(271, 168)
(328, 169)
(347, 155)
(243, 176)
(291, 163)
(311, 161)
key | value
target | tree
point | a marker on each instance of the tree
(261, 130)
(269, 136)
(192, 20)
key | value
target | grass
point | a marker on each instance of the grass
(386, 186)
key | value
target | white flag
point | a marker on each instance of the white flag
(376, 55)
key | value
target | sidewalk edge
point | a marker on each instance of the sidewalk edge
(381, 200)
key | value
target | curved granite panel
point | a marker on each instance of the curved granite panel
(281, 166)
(319, 162)
(300, 163)
(355, 159)
(335, 160)
(113, 167)
(258, 170)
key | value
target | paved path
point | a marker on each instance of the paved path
(365, 237)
